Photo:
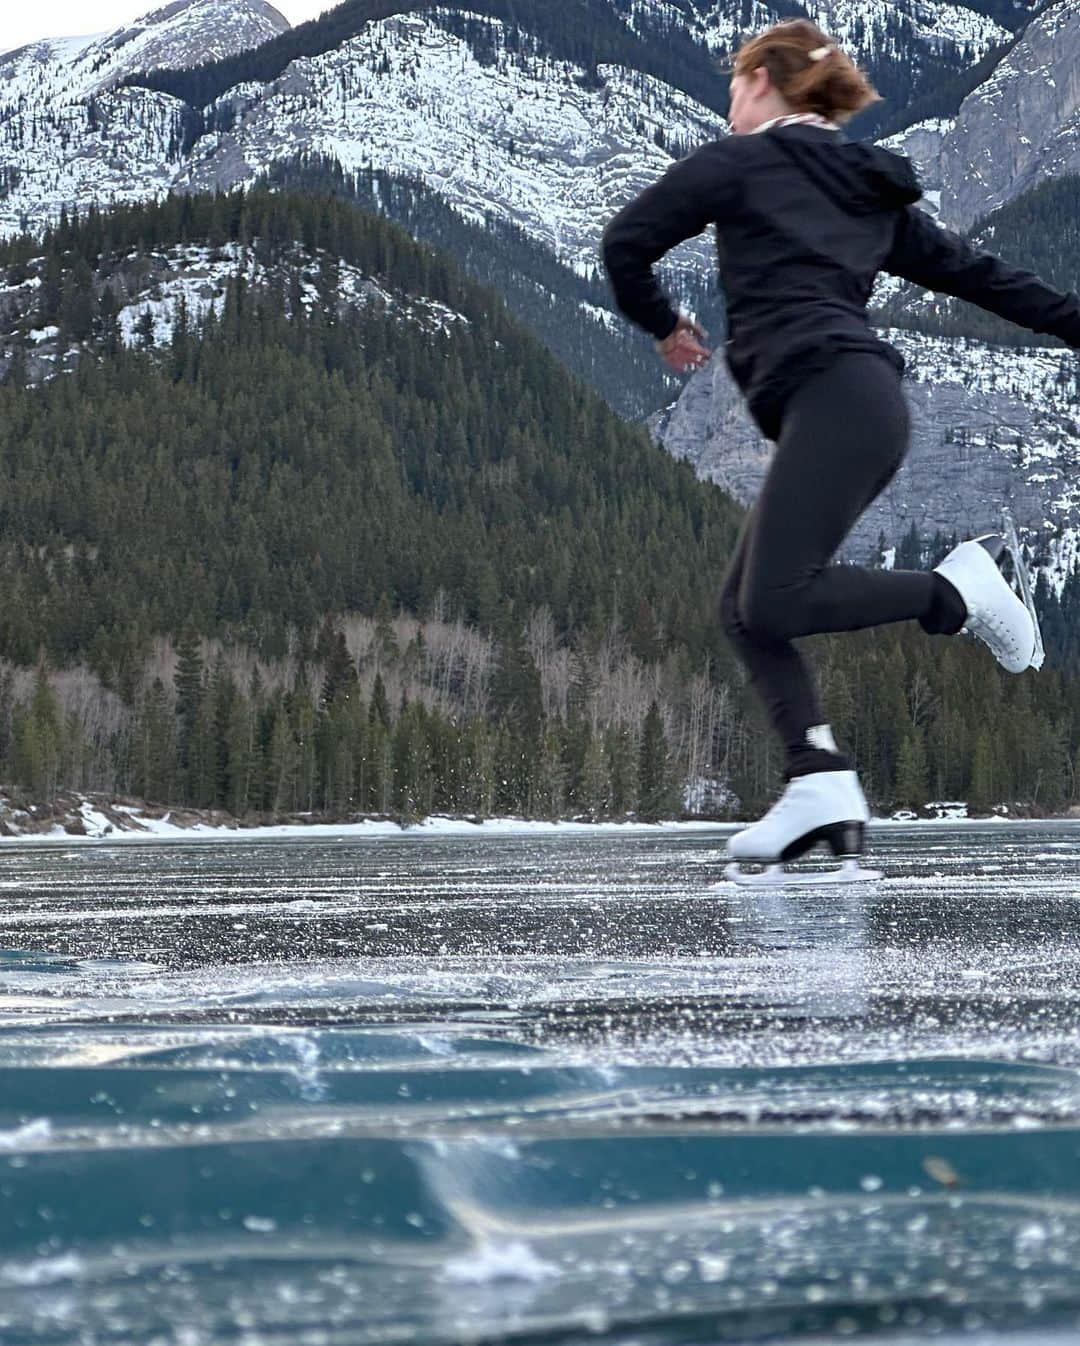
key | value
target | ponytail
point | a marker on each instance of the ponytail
(808, 70)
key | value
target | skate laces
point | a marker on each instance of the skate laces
(996, 623)
(992, 627)
(1002, 636)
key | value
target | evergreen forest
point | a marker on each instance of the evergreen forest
(572, 314)
(326, 557)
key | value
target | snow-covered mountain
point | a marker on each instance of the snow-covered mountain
(527, 136)
(1019, 127)
(482, 112)
(870, 28)
(71, 135)
(183, 33)
(514, 120)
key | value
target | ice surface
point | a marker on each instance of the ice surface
(464, 1087)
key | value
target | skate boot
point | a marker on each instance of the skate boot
(827, 806)
(995, 614)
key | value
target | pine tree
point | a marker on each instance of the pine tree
(144, 330)
(302, 716)
(385, 639)
(478, 770)
(379, 768)
(154, 746)
(202, 769)
(984, 775)
(379, 710)
(339, 671)
(655, 793)
(644, 633)
(911, 770)
(38, 739)
(549, 784)
(281, 762)
(619, 750)
(241, 755)
(411, 766)
(188, 682)
(595, 789)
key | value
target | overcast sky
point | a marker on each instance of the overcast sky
(20, 24)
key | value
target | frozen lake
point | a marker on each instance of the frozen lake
(554, 1089)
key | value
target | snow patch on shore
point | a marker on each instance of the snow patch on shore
(125, 823)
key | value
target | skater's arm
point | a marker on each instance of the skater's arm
(941, 260)
(680, 206)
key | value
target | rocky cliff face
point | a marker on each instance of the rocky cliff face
(867, 28)
(538, 143)
(1018, 128)
(986, 431)
(530, 137)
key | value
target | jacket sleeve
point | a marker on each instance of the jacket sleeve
(941, 260)
(677, 207)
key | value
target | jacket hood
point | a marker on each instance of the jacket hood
(862, 179)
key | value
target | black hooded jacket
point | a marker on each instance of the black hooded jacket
(805, 219)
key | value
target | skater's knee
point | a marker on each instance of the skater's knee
(728, 609)
(751, 616)
(768, 615)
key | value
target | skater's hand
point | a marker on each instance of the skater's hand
(681, 349)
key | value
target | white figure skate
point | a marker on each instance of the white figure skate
(828, 807)
(1001, 620)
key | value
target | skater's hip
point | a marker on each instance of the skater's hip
(861, 378)
(772, 378)
(851, 417)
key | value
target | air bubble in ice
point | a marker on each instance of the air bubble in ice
(515, 1261)
(713, 1267)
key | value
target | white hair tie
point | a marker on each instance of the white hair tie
(819, 53)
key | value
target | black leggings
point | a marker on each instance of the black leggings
(844, 434)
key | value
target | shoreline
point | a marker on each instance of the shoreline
(143, 830)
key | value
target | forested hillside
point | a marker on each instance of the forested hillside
(339, 555)
(288, 460)
(572, 314)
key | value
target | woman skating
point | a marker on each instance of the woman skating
(805, 219)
